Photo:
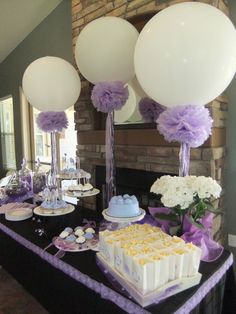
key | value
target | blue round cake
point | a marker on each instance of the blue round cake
(123, 206)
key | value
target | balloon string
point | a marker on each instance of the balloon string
(110, 161)
(184, 159)
(52, 177)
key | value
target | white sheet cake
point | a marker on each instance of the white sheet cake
(148, 257)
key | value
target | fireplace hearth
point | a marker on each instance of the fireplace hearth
(128, 181)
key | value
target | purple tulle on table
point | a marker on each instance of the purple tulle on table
(51, 121)
(149, 109)
(165, 225)
(211, 250)
(109, 96)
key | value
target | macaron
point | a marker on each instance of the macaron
(88, 236)
(90, 230)
(70, 238)
(63, 234)
(80, 240)
(79, 232)
(68, 229)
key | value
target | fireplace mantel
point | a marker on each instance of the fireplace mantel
(144, 137)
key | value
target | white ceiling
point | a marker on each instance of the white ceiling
(18, 18)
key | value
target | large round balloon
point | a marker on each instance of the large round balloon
(186, 54)
(104, 50)
(51, 84)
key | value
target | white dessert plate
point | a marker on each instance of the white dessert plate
(46, 212)
(124, 219)
(10, 206)
(18, 214)
(82, 194)
(88, 245)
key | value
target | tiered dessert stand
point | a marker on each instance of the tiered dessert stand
(78, 194)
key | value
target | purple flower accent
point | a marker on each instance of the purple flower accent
(190, 124)
(109, 96)
(149, 109)
(50, 121)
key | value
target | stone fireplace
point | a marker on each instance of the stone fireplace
(142, 148)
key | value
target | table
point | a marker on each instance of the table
(75, 284)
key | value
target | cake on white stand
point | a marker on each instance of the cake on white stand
(123, 210)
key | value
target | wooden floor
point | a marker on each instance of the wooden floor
(14, 299)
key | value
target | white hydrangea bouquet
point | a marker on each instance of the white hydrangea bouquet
(190, 196)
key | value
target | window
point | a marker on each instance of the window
(67, 140)
(37, 144)
(42, 142)
(7, 133)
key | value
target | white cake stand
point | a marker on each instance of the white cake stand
(123, 221)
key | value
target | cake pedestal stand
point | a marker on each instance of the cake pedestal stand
(122, 222)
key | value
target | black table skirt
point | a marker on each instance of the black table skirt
(59, 293)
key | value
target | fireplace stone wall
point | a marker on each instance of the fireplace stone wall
(144, 149)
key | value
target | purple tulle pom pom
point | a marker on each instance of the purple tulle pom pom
(50, 121)
(109, 96)
(188, 124)
(149, 109)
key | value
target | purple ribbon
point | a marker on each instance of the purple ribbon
(184, 159)
(89, 223)
(211, 250)
(52, 177)
(110, 164)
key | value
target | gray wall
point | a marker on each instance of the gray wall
(53, 37)
(231, 144)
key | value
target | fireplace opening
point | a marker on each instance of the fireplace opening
(129, 181)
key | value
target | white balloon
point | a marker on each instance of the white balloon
(125, 113)
(51, 84)
(186, 54)
(104, 50)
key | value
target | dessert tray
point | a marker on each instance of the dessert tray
(155, 296)
(53, 212)
(124, 219)
(78, 240)
(82, 194)
(72, 176)
(61, 245)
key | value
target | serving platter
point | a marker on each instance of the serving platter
(62, 245)
(53, 212)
